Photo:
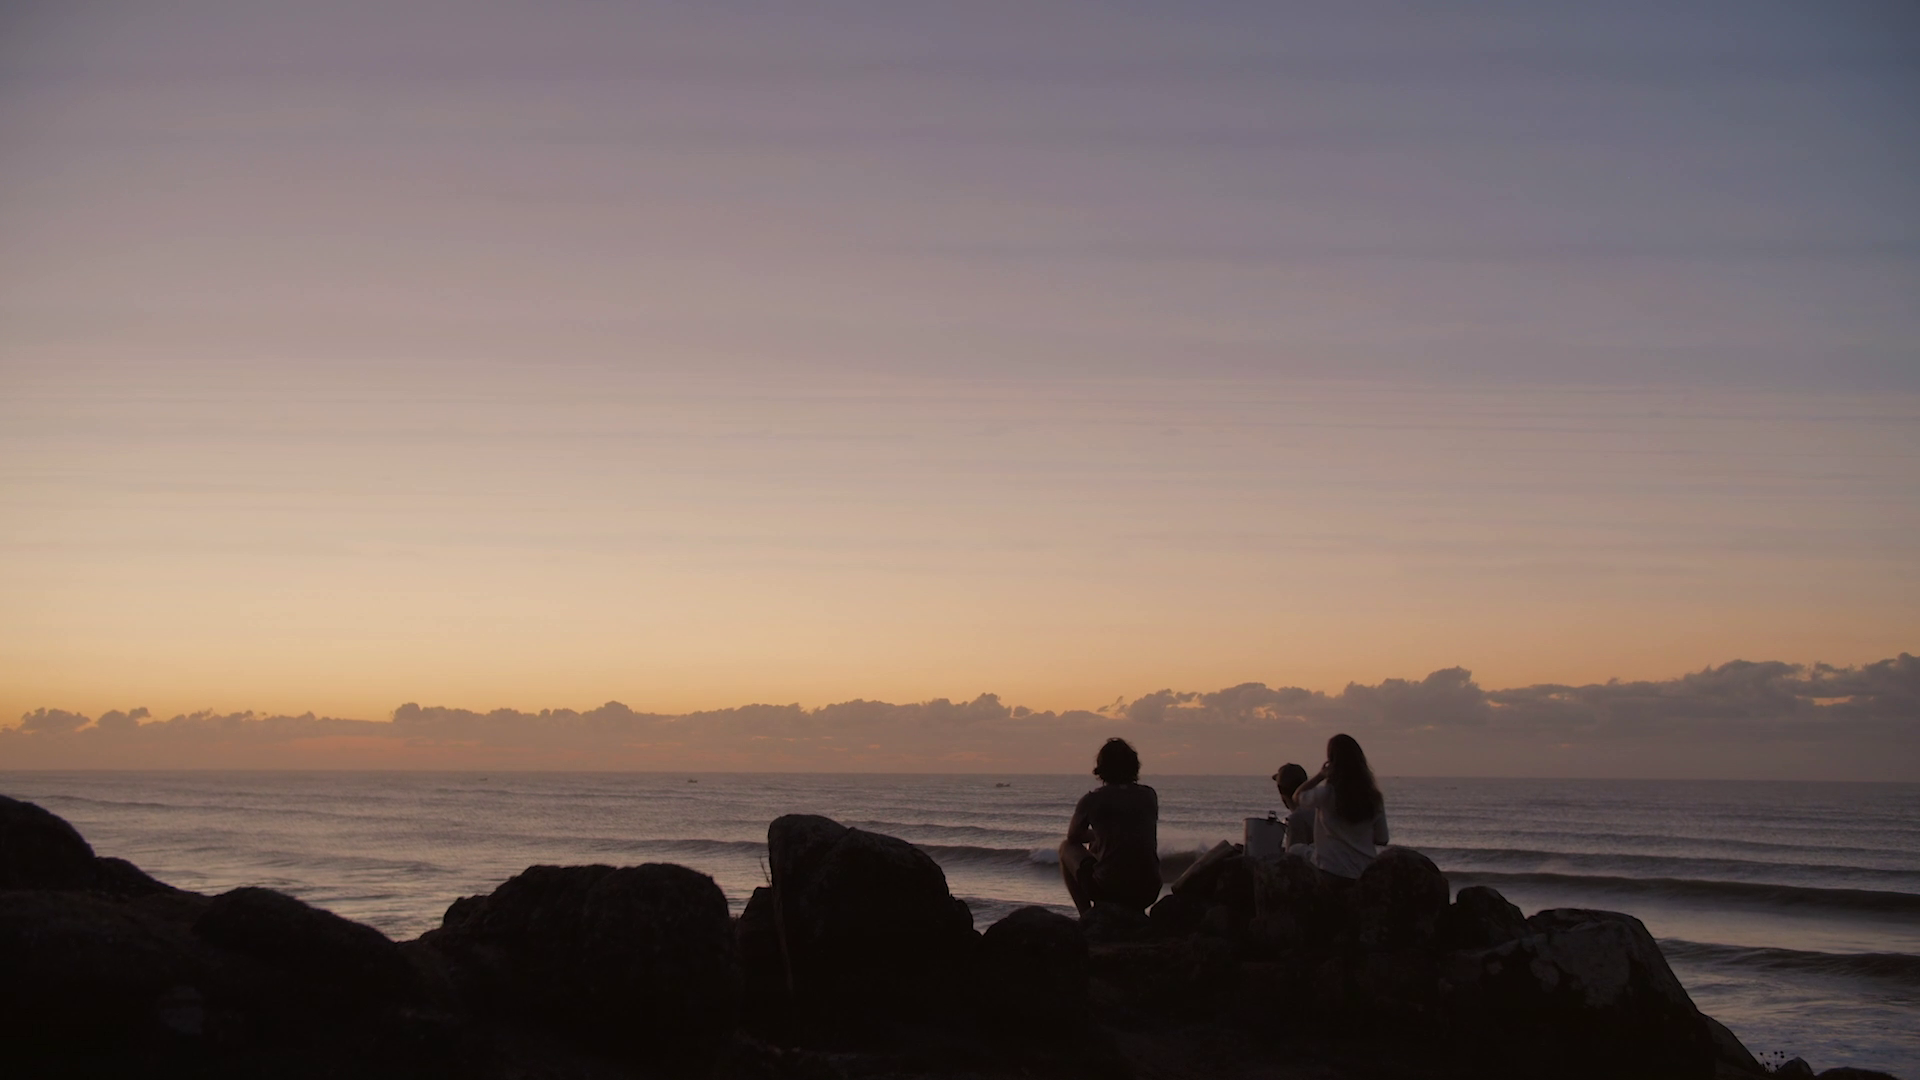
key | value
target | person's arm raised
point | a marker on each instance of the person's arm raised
(1312, 782)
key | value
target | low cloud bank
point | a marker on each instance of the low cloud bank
(1739, 719)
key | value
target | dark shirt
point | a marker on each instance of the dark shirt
(1124, 820)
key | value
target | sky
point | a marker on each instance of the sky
(534, 357)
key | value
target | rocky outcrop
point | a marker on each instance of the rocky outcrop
(1479, 918)
(1148, 981)
(638, 961)
(80, 970)
(1398, 900)
(174, 983)
(1587, 990)
(316, 950)
(855, 960)
(869, 932)
(39, 850)
(1032, 974)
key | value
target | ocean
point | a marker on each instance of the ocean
(1791, 911)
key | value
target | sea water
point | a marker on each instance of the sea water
(1791, 912)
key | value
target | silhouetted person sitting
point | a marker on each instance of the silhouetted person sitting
(1111, 854)
(1349, 813)
(1298, 840)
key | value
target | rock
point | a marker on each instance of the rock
(871, 932)
(1795, 1068)
(39, 850)
(796, 844)
(1398, 900)
(660, 947)
(1479, 918)
(1389, 994)
(461, 910)
(1115, 922)
(1177, 914)
(80, 970)
(317, 950)
(1184, 978)
(512, 950)
(1292, 889)
(1730, 1054)
(122, 880)
(1033, 971)
(1222, 921)
(1849, 1073)
(1272, 934)
(1222, 876)
(756, 939)
(638, 961)
(1584, 993)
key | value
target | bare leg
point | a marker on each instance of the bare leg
(1072, 854)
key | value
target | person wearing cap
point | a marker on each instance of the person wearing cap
(1299, 837)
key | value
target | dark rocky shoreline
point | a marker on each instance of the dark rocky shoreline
(855, 962)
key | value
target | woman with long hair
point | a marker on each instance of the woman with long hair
(1349, 813)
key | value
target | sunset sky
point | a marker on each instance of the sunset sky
(535, 356)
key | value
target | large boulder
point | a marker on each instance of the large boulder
(1382, 993)
(766, 996)
(1479, 918)
(1731, 1056)
(39, 850)
(317, 951)
(870, 931)
(1033, 971)
(1584, 993)
(1398, 900)
(1148, 981)
(1294, 907)
(638, 960)
(79, 970)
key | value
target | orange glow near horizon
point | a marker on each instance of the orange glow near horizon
(690, 362)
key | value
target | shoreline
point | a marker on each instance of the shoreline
(1249, 928)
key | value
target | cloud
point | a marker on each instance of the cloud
(1740, 718)
(52, 722)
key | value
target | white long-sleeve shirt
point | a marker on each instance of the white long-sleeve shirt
(1340, 846)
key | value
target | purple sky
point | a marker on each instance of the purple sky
(531, 356)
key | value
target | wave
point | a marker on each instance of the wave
(1901, 968)
(1639, 864)
(1748, 892)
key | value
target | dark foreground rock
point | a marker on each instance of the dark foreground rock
(319, 951)
(1398, 901)
(1480, 918)
(856, 961)
(1032, 974)
(636, 961)
(1589, 988)
(867, 930)
(106, 972)
(40, 850)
